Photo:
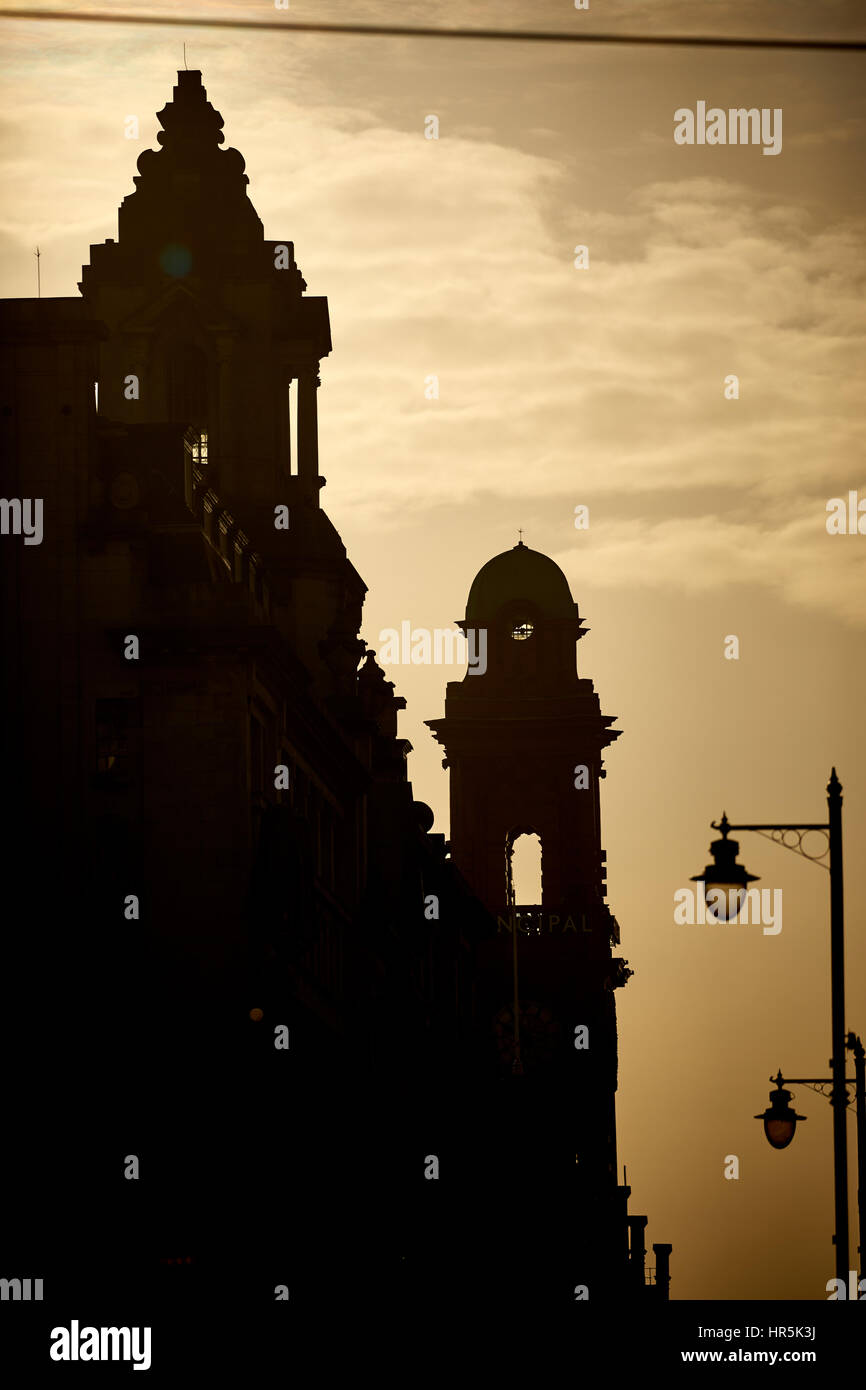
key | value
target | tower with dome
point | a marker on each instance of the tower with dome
(524, 744)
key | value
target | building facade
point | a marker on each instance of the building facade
(237, 927)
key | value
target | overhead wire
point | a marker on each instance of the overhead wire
(429, 32)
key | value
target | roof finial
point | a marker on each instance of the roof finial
(37, 253)
(520, 534)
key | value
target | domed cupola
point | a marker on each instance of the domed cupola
(522, 601)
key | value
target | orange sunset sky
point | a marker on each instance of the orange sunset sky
(559, 387)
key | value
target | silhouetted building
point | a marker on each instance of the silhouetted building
(524, 742)
(213, 831)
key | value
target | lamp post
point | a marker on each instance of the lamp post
(725, 874)
(856, 1046)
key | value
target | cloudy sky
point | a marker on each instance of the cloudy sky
(562, 386)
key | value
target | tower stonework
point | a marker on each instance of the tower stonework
(210, 317)
(524, 742)
(516, 735)
(207, 326)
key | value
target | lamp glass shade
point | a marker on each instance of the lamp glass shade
(723, 900)
(779, 1130)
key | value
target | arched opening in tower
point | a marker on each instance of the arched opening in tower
(526, 869)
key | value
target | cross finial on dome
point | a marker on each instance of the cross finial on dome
(520, 534)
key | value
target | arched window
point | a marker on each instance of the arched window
(526, 869)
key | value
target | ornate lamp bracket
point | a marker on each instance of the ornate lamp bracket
(822, 1086)
(790, 837)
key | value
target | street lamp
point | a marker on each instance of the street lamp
(725, 873)
(780, 1120)
(724, 880)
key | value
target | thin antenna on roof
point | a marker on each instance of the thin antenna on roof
(38, 253)
(184, 55)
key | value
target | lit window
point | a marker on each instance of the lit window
(199, 451)
(521, 632)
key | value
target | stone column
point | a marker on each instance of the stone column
(308, 435)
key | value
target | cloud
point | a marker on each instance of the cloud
(795, 559)
(454, 258)
(617, 371)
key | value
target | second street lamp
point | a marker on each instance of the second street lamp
(780, 1119)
